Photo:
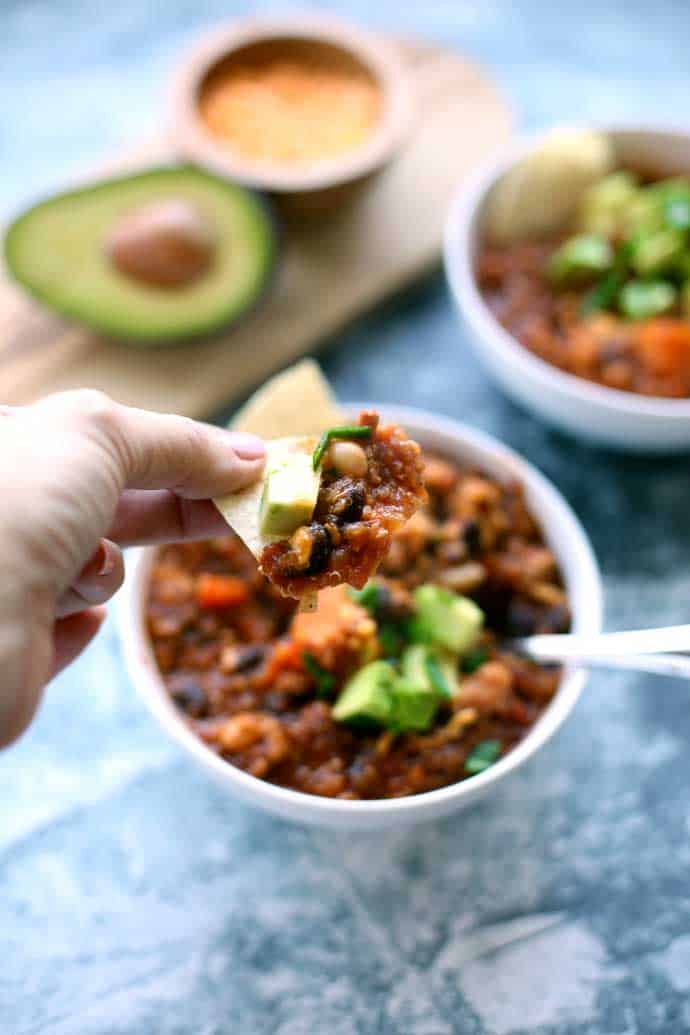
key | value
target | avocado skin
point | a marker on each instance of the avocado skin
(116, 327)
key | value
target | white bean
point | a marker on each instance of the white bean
(347, 458)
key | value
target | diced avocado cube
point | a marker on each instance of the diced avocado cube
(434, 670)
(368, 695)
(414, 707)
(654, 253)
(644, 214)
(640, 299)
(445, 619)
(580, 258)
(603, 206)
(448, 666)
(413, 665)
(289, 495)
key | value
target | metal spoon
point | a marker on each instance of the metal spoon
(644, 650)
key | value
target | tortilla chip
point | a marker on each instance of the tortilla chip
(538, 195)
(298, 401)
(290, 406)
(290, 411)
(241, 509)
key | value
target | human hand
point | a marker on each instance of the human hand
(81, 477)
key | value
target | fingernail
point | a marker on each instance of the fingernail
(247, 447)
(107, 557)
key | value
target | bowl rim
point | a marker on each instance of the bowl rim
(372, 51)
(542, 495)
(458, 254)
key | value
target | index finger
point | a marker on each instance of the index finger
(194, 460)
(166, 451)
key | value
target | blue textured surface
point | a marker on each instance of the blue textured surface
(135, 898)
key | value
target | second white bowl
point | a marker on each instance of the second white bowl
(610, 417)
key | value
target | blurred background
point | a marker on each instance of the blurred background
(137, 899)
(82, 79)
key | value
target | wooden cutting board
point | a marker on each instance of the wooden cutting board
(329, 271)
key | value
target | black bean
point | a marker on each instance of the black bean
(495, 598)
(392, 605)
(555, 619)
(523, 618)
(355, 498)
(320, 549)
(357, 767)
(471, 534)
(190, 697)
(250, 656)
(343, 500)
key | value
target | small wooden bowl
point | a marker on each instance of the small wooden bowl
(310, 186)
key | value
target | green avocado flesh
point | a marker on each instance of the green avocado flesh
(367, 695)
(57, 251)
(289, 497)
(446, 619)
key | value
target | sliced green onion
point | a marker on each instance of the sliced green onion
(325, 680)
(367, 597)
(603, 294)
(391, 639)
(482, 756)
(474, 659)
(346, 431)
(320, 450)
(436, 677)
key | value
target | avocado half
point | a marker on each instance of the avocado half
(57, 251)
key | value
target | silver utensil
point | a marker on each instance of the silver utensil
(658, 651)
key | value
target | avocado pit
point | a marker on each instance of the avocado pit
(166, 244)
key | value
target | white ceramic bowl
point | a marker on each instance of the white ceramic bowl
(572, 549)
(614, 418)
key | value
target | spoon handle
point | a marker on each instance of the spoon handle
(659, 664)
(672, 638)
